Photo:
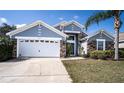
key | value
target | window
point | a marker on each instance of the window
(31, 40)
(21, 40)
(56, 42)
(100, 44)
(41, 40)
(36, 40)
(26, 40)
(47, 41)
(51, 41)
(71, 38)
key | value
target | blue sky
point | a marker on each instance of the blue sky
(22, 17)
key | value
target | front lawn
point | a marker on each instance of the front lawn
(95, 71)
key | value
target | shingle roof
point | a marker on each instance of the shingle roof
(121, 36)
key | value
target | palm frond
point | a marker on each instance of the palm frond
(97, 17)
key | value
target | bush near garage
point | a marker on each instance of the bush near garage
(6, 48)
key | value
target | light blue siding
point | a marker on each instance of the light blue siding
(100, 36)
(72, 27)
(34, 32)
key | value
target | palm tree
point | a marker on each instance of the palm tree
(103, 15)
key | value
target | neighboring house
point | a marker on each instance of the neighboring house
(101, 40)
(121, 40)
(42, 40)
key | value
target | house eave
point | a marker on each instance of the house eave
(21, 29)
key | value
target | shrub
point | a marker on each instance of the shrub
(109, 53)
(99, 54)
(85, 55)
(121, 53)
(6, 48)
(94, 54)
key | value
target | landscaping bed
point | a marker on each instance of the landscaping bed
(95, 71)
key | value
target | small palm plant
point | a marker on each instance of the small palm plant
(103, 15)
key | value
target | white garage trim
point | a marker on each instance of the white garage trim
(17, 51)
(46, 40)
(37, 38)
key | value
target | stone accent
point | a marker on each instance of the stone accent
(109, 45)
(92, 45)
(62, 48)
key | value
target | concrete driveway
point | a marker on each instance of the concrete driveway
(34, 70)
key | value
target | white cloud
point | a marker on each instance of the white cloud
(3, 20)
(60, 18)
(75, 17)
(20, 25)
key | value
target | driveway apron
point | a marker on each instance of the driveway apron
(34, 70)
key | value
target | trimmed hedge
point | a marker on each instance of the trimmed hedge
(99, 54)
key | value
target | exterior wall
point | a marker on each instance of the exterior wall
(109, 45)
(84, 45)
(34, 32)
(58, 27)
(62, 49)
(121, 44)
(100, 36)
(72, 27)
(91, 46)
(92, 43)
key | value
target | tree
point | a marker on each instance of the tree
(103, 15)
(5, 28)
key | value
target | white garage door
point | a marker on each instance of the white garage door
(39, 48)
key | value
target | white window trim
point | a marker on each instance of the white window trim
(77, 32)
(103, 43)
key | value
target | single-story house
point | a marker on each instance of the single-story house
(101, 40)
(39, 39)
(121, 40)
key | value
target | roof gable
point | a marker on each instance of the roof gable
(65, 23)
(21, 29)
(102, 32)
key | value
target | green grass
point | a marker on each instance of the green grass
(95, 71)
